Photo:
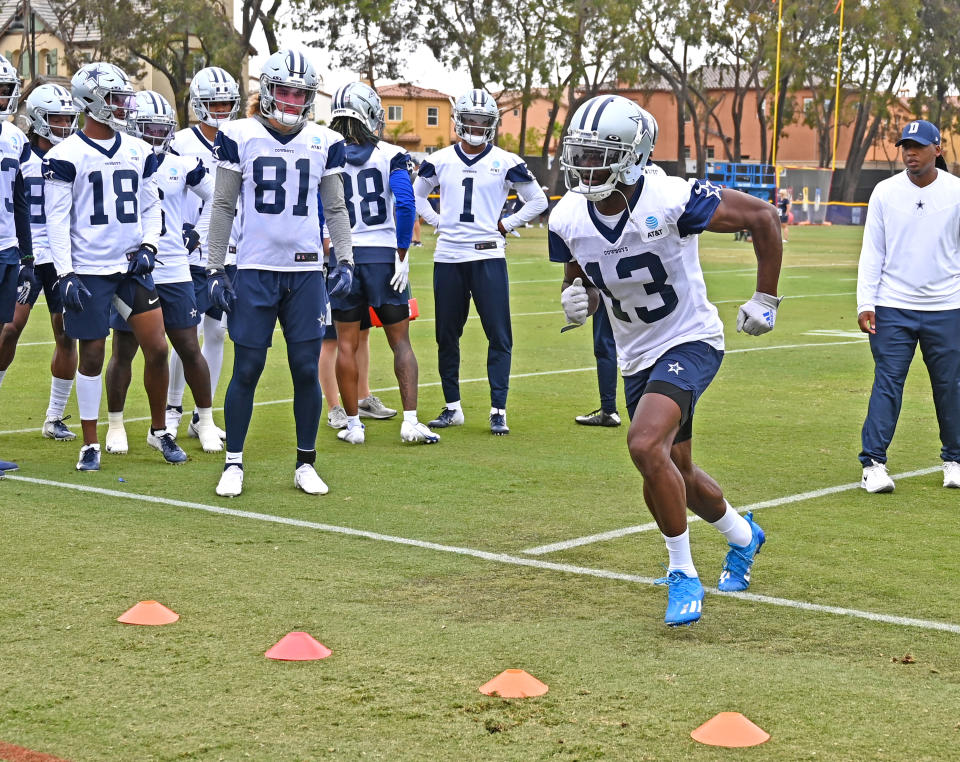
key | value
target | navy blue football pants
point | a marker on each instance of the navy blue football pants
(605, 350)
(898, 333)
(453, 285)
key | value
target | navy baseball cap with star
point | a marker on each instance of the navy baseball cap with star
(920, 131)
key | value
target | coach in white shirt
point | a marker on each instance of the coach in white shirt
(908, 292)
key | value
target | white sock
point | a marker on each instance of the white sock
(410, 416)
(679, 549)
(454, 406)
(115, 420)
(205, 415)
(235, 458)
(734, 527)
(59, 394)
(89, 390)
(178, 381)
(500, 410)
(214, 336)
(2, 374)
(353, 422)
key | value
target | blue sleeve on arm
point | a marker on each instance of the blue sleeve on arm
(559, 251)
(427, 170)
(226, 149)
(519, 174)
(21, 218)
(336, 156)
(195, 176)
(703, 202)
(59, 169)
(151, 165)
(323, 220)
(25, 153)
(406, 205)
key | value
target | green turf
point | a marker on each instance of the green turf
(415, 630)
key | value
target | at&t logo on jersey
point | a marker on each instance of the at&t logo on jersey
(653, 225)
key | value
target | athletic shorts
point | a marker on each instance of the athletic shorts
(297, 299)
(9, 275)
(179, 305)
(50, 281)
(686, 367)
(93, 322)
(371, 288)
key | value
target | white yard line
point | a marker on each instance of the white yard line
(34, 429)
(615, 534)
(502, 558)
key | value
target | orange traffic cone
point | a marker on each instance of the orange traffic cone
(148, 612)
(514, 683)
(298, 646)
(730, 729)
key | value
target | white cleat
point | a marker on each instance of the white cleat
(117, 441)
(193, 431)
(231, 481)
(353, 436)
(876, 479)
(209, 437)
(951, 474)
(307, 479)
(417, 432)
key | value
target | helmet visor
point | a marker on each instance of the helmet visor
(292, 100)
(121, 103)
(156, 133)
(590, 164)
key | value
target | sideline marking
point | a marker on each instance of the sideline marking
(503, 558)
(614, 534)
(34, 429)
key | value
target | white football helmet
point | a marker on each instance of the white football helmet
(359, 101)
(9, 87)
(103, 92)
(153, 120)
(609, 140)
(51, 100)
(476, 110)
(213, 85)
(291, 72)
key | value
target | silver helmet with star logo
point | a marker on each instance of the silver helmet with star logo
(104, 92)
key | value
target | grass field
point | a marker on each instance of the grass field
(413, 571)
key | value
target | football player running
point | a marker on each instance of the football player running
(379, 197)
(279, 159)
(52, 116)
(215, 100)
(16, 247)
(103, 226)
(474, 177)
(633, 239)
(154, 121)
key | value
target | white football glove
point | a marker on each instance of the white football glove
(401, 273)
(575, 302)
(758, 316)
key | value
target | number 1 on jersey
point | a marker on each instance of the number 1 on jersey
(467, 214)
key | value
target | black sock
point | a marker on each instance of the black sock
(306, 456)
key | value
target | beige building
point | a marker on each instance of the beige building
(417, 118)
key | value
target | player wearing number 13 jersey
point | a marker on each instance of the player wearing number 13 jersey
(633, 238)
(274, 163)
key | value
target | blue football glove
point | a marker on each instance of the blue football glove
(72, 292)
(220, 289)
(191, 238)
(27, 282)
(142, 260)
(341, 280)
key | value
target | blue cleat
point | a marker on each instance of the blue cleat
(168, 447)
(8, 465)
(446, 419)
(684, 598)
(55, 428)
(736, 567)
(89, 458)
(498, 424)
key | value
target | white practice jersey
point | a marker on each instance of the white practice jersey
(910, 257)
(33, 187)
(180, 179)
(370, 202)
(14, 153)
(111, 186)
(279, 202)
(645, 264)
(473, 190)
(191, 142)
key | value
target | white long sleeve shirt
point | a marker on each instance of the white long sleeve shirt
(910, 258)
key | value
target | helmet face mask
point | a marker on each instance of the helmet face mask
(288, 86)
(214, 96)
(104, 93)
(9, 88)
(475, 117)
(153, 120)
(52, 113)
(609, 141)
(361, 102)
